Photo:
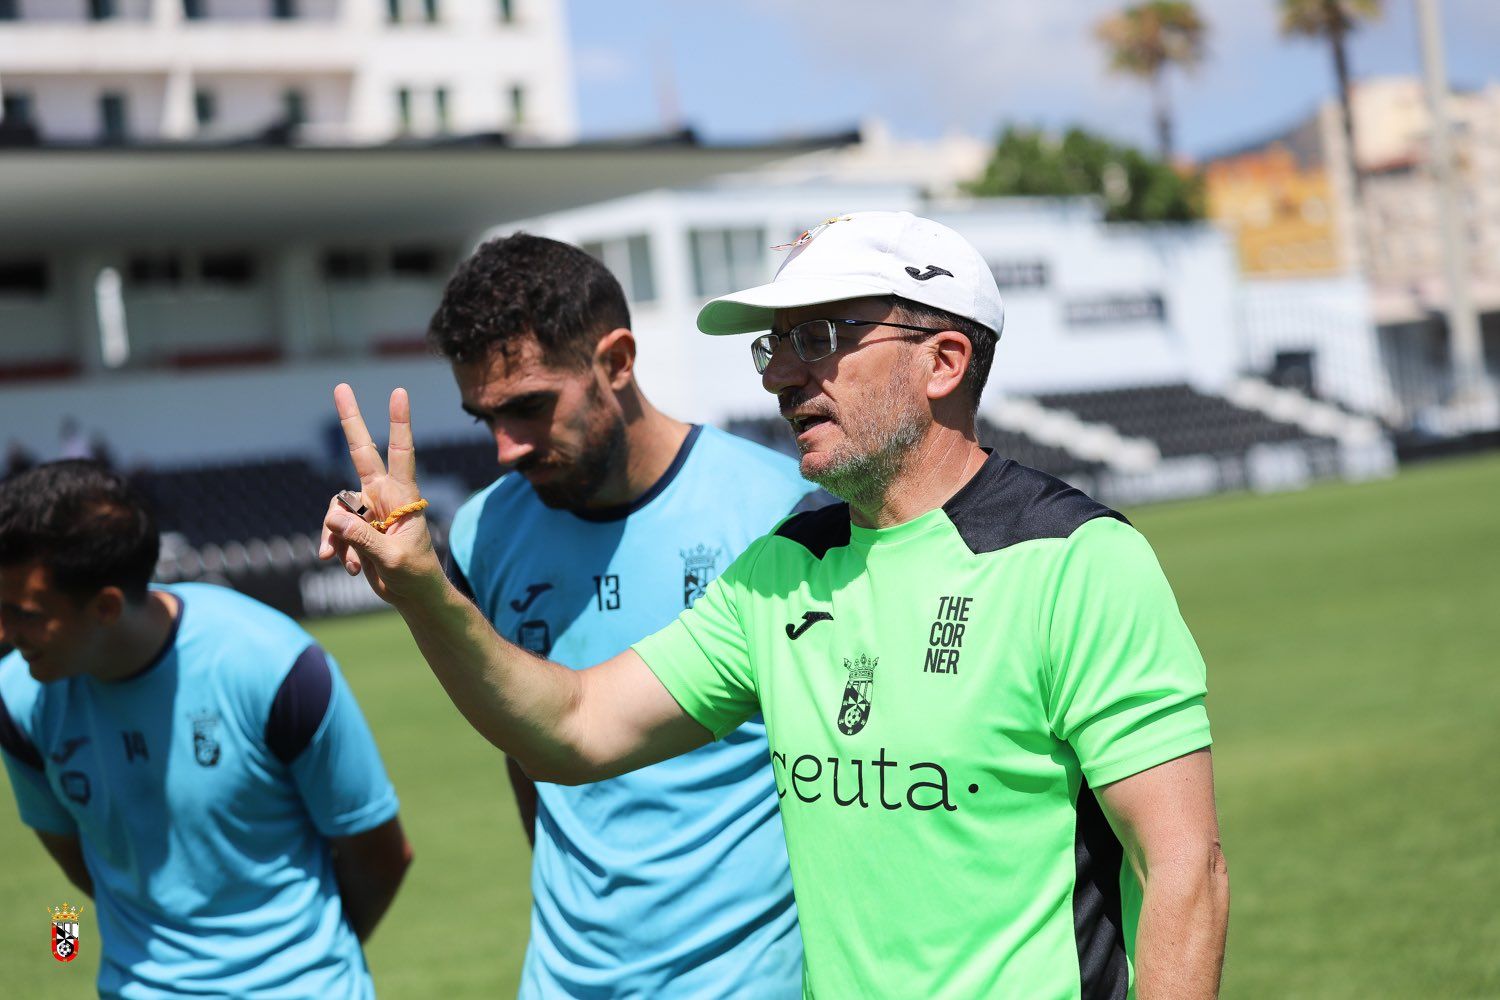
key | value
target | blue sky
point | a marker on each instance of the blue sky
(756, 69)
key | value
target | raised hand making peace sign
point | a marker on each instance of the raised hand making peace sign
(401, 561)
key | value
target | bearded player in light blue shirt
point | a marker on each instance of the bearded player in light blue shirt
(190, 757)
(670, 881)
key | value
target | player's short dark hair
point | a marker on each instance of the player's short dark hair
(524, 286)
(981, 338)
(86, 525)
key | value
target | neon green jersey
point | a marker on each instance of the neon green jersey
(940, 697)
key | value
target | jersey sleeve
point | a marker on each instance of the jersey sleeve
(38, 806)
(1127, 683)
(703, 656)
(316, 728)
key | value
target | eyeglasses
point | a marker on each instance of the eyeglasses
(819, 338)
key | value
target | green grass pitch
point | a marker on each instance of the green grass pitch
(1353, 641)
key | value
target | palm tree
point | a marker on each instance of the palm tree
(1144, 40)
(1333, 20)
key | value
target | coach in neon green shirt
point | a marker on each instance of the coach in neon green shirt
(984, 710)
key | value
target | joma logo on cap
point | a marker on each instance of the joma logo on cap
(932, 272)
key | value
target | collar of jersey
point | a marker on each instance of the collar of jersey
(624, 510)
(922, 524)
(166, 647)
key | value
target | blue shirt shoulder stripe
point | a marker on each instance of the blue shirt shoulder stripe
(14, 742)
(299, 706)
(456, 576)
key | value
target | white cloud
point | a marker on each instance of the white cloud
(974, 64)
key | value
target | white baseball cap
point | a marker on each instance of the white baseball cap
(864, 254)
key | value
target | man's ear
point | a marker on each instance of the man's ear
(107, 606)
(615, 356)
(951, 353)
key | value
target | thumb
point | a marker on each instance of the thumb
(358, 533)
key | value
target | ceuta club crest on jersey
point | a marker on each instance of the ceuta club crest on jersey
(697, 571)
(854, 709)
(206, 738)
(65, 931)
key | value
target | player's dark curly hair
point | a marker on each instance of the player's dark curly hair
(527, 286)
(85, 524)
(981, 338)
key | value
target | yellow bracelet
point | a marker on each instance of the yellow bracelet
(398, 514)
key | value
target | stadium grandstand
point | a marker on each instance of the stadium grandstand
(1135, 362)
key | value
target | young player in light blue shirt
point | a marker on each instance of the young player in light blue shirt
(190, 757)
(670, 881)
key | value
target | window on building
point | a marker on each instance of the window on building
(440, 107)
(194, 10)
(102, 10)
(430, 11)
(415, 261)
(235, 269)
(403, 108)
(348, 265)
(205, 107)
(23, 277)
(507, 11)
(284, 10)
(393, 11)
(154, 270)
(518, 104)
(727, 259)
(629, 260)
(112, 124)
(293, 107)
(15, 112)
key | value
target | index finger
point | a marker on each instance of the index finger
(361, 447)
(400, 454)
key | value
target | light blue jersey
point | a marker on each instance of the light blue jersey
(203, 790)
(670, 881)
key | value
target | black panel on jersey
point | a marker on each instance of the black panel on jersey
(1098, 925)
(819, 530)
(299, 706)
(1006, 503)
(15, 743)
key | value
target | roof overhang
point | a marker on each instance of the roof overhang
(71, 196)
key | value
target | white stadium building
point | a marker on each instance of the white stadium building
(214, 210)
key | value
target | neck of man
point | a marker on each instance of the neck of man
(652, 441)
(139, 637)
(935, 468)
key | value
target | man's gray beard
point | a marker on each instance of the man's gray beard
(864, 479)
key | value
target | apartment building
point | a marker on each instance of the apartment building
(322, 72)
